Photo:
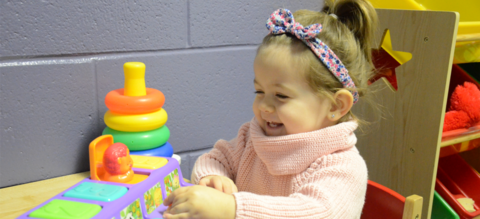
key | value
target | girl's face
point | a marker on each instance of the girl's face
(285, 103)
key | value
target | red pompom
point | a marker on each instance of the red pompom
(467, 98)
(456, 120)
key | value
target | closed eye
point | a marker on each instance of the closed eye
(281, 96)
(258, 92)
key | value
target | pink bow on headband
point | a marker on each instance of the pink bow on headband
(281, 21)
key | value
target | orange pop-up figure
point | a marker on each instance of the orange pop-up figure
(112, 162)
(117, 163)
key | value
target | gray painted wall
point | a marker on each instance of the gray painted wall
(59, 59)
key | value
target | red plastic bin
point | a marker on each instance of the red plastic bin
(382, 201)
(456, 179)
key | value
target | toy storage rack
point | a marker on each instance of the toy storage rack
(401, 147)
(467, 47)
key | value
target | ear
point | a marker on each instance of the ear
(343, 104)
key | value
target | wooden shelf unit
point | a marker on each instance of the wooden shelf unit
(401, 146)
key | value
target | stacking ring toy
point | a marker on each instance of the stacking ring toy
(117, 102)
(165, 150)
(134, 98)
(136, 122)
(137, 141)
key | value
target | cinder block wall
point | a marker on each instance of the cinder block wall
(58, 60)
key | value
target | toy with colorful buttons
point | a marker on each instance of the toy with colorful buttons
(120, 186)
(136, 117)
(131, 166)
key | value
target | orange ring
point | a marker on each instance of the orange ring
(119, 103)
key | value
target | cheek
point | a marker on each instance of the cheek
(255, 107)
(298, 119)
(289, 115)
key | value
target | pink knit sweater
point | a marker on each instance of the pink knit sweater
(318, 174)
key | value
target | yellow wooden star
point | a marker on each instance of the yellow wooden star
(386, 60)
(400, 57)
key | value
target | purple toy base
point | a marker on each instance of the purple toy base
(135, 192)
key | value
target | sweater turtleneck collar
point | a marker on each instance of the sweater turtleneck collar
(292, 154)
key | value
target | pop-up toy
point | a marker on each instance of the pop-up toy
(136, 117)
(121, 185)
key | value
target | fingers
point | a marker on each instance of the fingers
(176, 216)
(170, 199)
(230, 189)
(212, 181)
(217, 183)
(178, 209)
(220, 183)
(227, 189)
(228, 186)
(204, 181)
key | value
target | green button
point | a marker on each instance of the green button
(62, 209)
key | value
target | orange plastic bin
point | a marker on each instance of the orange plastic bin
(456, 179)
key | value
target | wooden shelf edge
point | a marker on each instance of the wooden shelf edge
(460, 139)
(468, 37)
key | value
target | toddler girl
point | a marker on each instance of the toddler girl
(297, 157)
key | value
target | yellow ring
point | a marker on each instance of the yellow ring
(136, 122)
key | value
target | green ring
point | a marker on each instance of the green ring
(137, 141)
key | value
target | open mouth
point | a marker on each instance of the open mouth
(274, 125)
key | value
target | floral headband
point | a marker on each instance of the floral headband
(281, 21)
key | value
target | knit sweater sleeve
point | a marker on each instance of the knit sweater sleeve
(223, 159)
(332, 187)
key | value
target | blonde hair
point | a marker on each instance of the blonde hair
(348, 34)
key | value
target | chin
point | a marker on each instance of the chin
(274, 132)
(280, 134)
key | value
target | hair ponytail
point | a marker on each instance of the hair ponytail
(359, 16)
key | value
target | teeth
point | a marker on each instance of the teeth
(271, 124)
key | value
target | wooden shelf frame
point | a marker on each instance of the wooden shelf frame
(402, 148)
(464, 138)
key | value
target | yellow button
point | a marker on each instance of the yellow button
(137, 178)
(147, 162)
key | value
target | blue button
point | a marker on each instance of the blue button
(97, 191)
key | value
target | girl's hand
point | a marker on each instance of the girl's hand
(199, 202)
(220, 183)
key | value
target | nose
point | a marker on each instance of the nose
(266, 105)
